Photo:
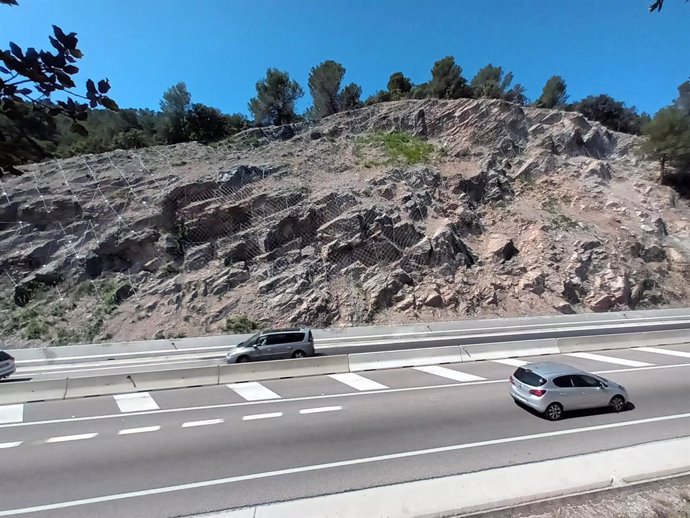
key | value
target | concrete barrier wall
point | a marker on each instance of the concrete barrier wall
(257, 371)
(99, 385)
(405, 358)
(622, 341)
(25, 391)
(497, 350)
(175, 378)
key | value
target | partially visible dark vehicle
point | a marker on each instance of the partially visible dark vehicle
(6, 365)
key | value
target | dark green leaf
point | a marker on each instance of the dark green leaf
(55, 43)
(24, 91)
(4, 70)
(76, 53)
(103, 86)
(59, 34)
(78, 128)
(16, 50)
(93, 103)
(90, 87)
(71, 69)
(108, 103)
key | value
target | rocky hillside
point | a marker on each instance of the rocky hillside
(414, 210)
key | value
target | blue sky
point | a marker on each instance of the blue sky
(221, 47)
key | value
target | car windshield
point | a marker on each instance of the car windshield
(251, 341)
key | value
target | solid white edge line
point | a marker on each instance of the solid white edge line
(207, 422)
(309, 398)
(337, 464)
(253, 417)
(4, 445)
(68, 438)
(318, 410)
(143, 429)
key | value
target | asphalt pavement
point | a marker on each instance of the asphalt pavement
(178, 452)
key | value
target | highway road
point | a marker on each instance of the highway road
(198, 353)
(180, 452)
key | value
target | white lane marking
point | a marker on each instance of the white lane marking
(262, 416)
(4, 445)
(135, 402)
(312, 398)
(143, 429)
(357, 382)
(337, 464)
(207, 422)
(320, 409)
(12, 413)
(444, 372)
(68, 438)
(657, 350)
(253, 391)
(609, 359)
(512, 362)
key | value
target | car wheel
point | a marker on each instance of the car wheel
(299, 354)
(617, 403)
(243, 359)
(554, 412)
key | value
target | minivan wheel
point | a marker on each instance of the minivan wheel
(298, 354)
(554, 412)
(617, 403)
(243, 359)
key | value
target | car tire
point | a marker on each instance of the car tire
(299, 354)
(617, 403)
(554, 412)
(243, 359)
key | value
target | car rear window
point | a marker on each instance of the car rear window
(528, 377)
(4, 356)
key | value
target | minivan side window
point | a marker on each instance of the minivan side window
(275, 339)
(294, 337)
(563, 381)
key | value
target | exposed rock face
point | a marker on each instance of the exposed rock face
(518, 211)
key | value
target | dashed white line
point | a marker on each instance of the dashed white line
(512, 362)
(657, 350)
(445, 372)
(208, 422)
(320, 409)
(135, 402)
(262, 416)
(357, 382)
(445, 386)
(68, 438)
(12, 413)
(609, 359)
(143, 429)
(253, 391)
(4, 445)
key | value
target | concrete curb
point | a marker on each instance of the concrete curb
(491, 489)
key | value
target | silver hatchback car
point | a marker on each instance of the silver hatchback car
(553, 388)
(6, 365)
(273, 344)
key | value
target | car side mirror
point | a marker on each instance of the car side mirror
(602, 384)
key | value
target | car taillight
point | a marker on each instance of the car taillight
(537, 392)
(512, 381)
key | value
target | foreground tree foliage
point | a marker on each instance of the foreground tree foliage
(668, 140)
(276, 95)
(28, 115)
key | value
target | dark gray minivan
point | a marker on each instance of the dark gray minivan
(274, 344)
